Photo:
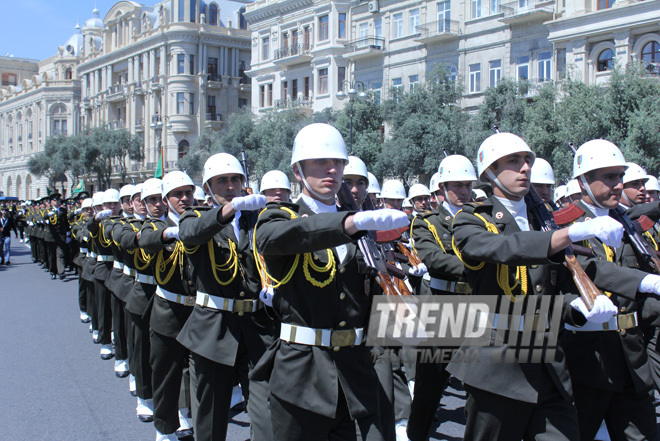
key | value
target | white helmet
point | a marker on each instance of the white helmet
(418, 190)
(110, 195)
(433, 185)
(479, 193)
(275, 179)
(316, 141)
(595, 154)
(374, 187)
(221, 164)
(634, 172)
(456, 168)
(199, 194)
(87, 203)
(498, 146)
(176, 179)
(356, 166)
(136, 190)
(152, 187)
(542, 172)
(126, 190)
(652, 184)
(573, 187)
(393, 189)
(406, 203)
(97, 198)
(560, 192)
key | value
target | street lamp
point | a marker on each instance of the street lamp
(157, 125)
(355, 92)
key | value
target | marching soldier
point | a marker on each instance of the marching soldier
(228, 330)
(322, 378)
(436, 195)
(560, 197)
(374, 190)
(275, 186)
(543, 179)
(420, 198)
(393, 194)
(652, 189)
(80, 260)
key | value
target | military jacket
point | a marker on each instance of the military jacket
(140, 295)
(545, 276)
(223, 266)
(100, 232)
(115, 281)
(310, 376)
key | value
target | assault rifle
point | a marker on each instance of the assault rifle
(246, 170)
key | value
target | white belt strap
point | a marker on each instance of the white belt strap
(618, 322)
(83, 250)
(104, 258)
(129, 271)
(507, 322)
(329, 338)
(145, 278)
(176, 298)
(239, 306)
(92, 254)
(118, 265)
(449, 286)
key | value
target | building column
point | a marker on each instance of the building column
(623, 48)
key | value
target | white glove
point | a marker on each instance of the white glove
(604, 228)
(78, 211)
(248, 203)
(380, 220)
(171, 233)
(650, 284)
(418, 270)
(68, 240)
(602, 311)
(51, 213)
(103, 214)
(266, 296)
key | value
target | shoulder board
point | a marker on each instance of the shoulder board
(473, 207)
(194, 212)
(426, 213)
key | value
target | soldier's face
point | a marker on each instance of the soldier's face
(513, 172)
(458, 192)
(358, 186)
(181, 198)
(55, 203)
(421, 203)
(395, 204)
(324, 176)
(277, 195)
(635, 190)
(226, 187)
(114, 206)
(651, 195)
(606, 185)
(544, 191)
(126, 205)
(138, 206)
(374, 200)
(155, 205)
(89, 211)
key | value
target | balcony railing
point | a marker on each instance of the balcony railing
(439, 30)
(287, 103)
(117, 88)
(526, 10)
(651, 68)
(368, 42)
(213, 117)
(214, 77)
(530, 86)
(289, 51)
(55, 133)
(116, 125)
(139, 90)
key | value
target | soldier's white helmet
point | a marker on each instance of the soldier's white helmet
(560, 192)
(152, 187)
(110, 195)
(498, 146)
(456, 168)
(316, 141)
(542, 172)
(199, 193)
(374, 186)
(573, 187)
(97, 198)
(136, 189)
(221, 164)
(126, 190)
(406, 203)
(433, 184)
(418, 190)
(393, 189)
(176, 179)
(634, 172)
(87, 203)
(356, 166)
(652, 184)
(595, 154)
(479, 194)
(275, 179)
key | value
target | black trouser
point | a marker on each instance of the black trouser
(119, 326)
(104, 311)
(33, 248)
(430, 382)
(168, 360)
(140, 350)
(82, 292)
(56, 263)
(394, 395)
(629, 415)
(21, 231)
(92, 310)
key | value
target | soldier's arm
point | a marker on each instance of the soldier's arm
(93, 226)
(651, 210)
(151, 236)
(435, 259)
(198, 225)
(129, 240)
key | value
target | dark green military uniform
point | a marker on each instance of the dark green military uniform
(79, 259)
(100, 232)
(56, 236)
(228, 330)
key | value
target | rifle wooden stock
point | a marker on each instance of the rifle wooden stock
(588, 291)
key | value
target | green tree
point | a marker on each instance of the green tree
(52, 162)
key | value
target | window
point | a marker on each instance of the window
(323, 28)
(475, 8)
(323, 81)
(242, 102)
(342, 26)
(182, 7)
(306, 91)
(545, 66)
(213, 66)
(210, 105)
(270, 94)
(294, 40)
(444, 15)
(59, 127)
(294, 89)
(192, 65)
(651, 52)
(523, 67)
(495, 6)
(193, 11)
(265, 48)
(605, 4)
(180, 103)
(192, 103)
(414, 21)
(262, 96)
(285, 41)
(414, 82)
(364, 30)
(213, 14)
(397, 25)
(68, 75)
(605, 61)
(242, 22)
(475, 78)
(180, 65)
(308, 38)
(285, 90)
(184, 145)
(397, 87)
(378, 27)
(495, 72)
(341, 77)
(376, 88)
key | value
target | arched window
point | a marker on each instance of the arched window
(184, 145)
(69, 74)
(605, 60)
(651, 52)
(213, 14)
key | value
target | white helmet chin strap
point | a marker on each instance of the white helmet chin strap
(497, 182)
(210, 194)
(307, 186)
(625, 196)
(591, 195)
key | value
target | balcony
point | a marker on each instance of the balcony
(438, 31)
(294, 54)
(529, 88)
(303, 104)
(116, 125)
(526, 11)
(365, 47)
(214, 121)
(86, 103)
(139, 90)
(651, 68)
(139, 125)
(155, 83)
(54, 133)
(116, 93)
(214, 81)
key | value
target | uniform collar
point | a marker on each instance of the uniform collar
(318, 207)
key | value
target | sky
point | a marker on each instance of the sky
(35, 28)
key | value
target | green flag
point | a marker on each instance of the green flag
(159, 166)
(48, 191)
(80, 187)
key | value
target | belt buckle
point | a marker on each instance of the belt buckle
(342, 338)
(625, 321)
(189, 300)
(462, 288)
(243, 305)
